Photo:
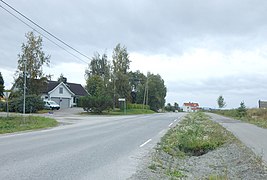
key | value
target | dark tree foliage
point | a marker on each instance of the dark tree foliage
(96, 104)
(33, 104)
(156, 92)
(1, 85)
(95, 85)
(242, 110)
(120, 83)
(221, 102)
(169, 107)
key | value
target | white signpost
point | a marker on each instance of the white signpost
(124, 103)
(6, 94)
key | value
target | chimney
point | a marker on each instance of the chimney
(64, 80)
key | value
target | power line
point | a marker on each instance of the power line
(42, 34)
(43, 29)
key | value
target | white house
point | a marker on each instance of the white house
(64, 93)
(191, 107)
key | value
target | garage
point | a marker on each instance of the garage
(63, 102)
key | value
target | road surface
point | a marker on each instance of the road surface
(90, 148)
(252, 136)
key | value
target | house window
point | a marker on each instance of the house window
(61, 90)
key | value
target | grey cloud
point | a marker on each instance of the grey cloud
(150, 26)
(239, 84)
(169, 27)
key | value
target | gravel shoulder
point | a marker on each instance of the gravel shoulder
(231, 161)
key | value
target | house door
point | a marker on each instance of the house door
(64, 103)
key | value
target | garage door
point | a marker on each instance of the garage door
(64, 103)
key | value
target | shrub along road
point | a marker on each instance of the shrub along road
(251, 135)
(93, 148)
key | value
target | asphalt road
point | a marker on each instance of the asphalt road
(90, 148)
(252, 136)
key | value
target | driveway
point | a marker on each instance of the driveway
(252, 136)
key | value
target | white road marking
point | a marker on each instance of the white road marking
(145, 143)
(170, 124)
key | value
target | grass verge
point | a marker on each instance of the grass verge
(20, 123)
(119, 112)
(195, 135)
(254, 116)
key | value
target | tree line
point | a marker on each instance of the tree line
(110, 80)
(106, 80)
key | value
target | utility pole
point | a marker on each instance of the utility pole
(114, 92)
(145, 100)
(24, 89)
(147, 93)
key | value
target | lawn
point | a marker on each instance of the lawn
(20, 123)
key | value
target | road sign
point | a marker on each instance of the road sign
(121, 99)
(6, 94)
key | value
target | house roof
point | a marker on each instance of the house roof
(77, 89)
(191, 104)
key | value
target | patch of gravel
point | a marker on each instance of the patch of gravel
(231, 161)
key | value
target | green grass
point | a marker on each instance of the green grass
(175, 173)
(194, 136)
(253, 116)
(44, 111)
(20, 123)
(218, 177)
(120, 112)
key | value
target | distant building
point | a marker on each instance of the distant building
(262, 104)
(191, 107)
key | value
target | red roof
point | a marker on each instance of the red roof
(191, 104)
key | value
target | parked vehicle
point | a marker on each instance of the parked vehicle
(51, 105)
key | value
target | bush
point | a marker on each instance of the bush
(96, 104)
(242, 110)
(33, 103)
(137, 106)
(2, 106)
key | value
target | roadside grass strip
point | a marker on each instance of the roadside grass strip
(121, 112)
(195, 135)
(20, 123)
(254, 116)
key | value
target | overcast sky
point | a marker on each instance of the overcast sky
(202, 49)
